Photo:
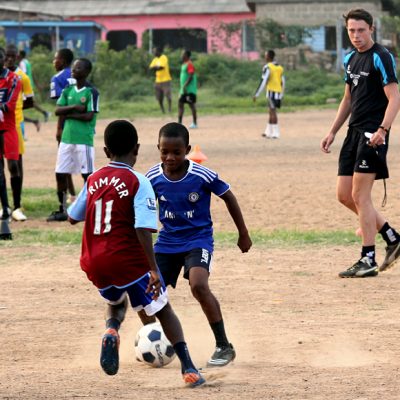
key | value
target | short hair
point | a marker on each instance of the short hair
(67, 55)
(188, 53)
(271, 54)
(359, 14)
(88, 64)
(22, 53)
(175, 130)
(120, 137)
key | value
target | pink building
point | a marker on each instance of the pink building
(194, 24)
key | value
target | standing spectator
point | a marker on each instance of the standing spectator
(24, 101)
(78, 104)
(162, 86)
(10, 87)
(188, 88)
(372, 100)
(274, 80)
(62, 64)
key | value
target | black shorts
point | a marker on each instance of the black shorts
(188, 98)
(357, 156)
(170, 264)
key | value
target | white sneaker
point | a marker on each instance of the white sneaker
(18, 215)
(193, 126)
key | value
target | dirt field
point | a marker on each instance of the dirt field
(300, 331)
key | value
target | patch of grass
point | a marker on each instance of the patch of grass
(278, 238)
(285, 238)
(44, 236)
(39, 203)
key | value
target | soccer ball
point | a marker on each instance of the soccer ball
(152, 346)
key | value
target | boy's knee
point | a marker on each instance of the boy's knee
(199, 290)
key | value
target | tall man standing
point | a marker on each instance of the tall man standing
(162, 86)
(372, 100)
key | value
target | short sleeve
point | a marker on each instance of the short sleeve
(77, 210)
(218, 186)
(26, 86)
(62, 101)
(145, 205)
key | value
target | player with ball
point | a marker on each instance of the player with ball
(119, 209)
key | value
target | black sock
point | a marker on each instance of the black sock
(389, 235)
(113, 323)
(368, 251)
(16, 186)
(3, 192)
(182, 352)
(219, 333)
(62, 196)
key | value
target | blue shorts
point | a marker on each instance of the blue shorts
(170, 264)
(136, 291)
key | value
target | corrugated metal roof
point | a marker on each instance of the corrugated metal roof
(76, 8)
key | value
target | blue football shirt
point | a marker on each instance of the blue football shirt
(184, 208)
(59, 82)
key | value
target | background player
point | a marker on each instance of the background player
(183, 189)
(10, 88)
(188, 88)
(274, 80)
(79, 105)
(119, 209)
(62, 63)
(162, 85)
(24, 101)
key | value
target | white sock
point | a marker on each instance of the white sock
(275, 131)
(268, 130)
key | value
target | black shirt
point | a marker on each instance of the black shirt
(367, 73)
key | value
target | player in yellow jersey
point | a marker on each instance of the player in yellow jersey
(274, 80)
(162, 86)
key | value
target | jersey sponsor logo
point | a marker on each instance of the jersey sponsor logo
(364, 73)
(193, 197)
(151, 204)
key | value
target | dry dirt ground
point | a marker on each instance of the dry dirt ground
(300, 331)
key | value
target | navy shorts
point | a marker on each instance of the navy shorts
(357, 156)
(170, 264)
(136, 291)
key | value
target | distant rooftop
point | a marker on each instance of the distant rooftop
(78, 8)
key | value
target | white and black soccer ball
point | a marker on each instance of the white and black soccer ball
(152, 346)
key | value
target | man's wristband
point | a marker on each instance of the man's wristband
(386, 130)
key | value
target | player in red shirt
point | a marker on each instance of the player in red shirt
(119, 208)
(10, 86)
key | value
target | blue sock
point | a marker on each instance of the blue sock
(182, 352)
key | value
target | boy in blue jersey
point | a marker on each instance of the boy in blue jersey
(183, 189)
(62, 63)
(371, 100)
